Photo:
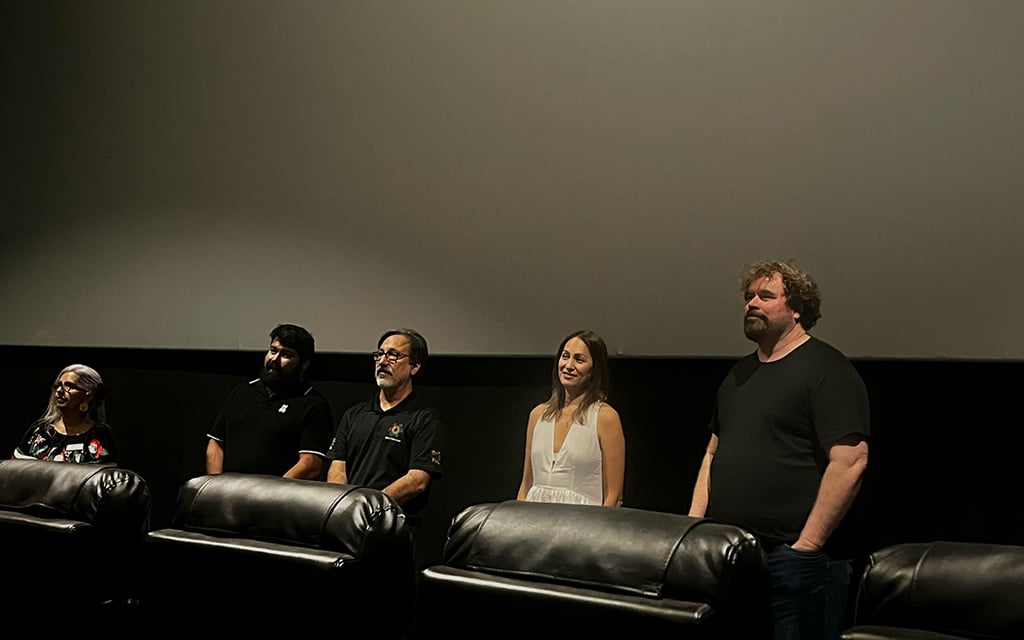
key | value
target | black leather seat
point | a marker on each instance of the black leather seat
(77, 527)
(941, 591)
(553, 569)
(252, 548)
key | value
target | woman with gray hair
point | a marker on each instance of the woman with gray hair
(73, 428)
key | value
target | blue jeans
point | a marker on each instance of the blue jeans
(808, 594)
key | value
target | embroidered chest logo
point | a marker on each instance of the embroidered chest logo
(284, 407)
(394, 432)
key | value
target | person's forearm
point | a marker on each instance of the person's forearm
(839, 487)
(336, 473)
(523, 490)
(699, 501)
(408, 486)
(308, 467)
(613, 499)
(214, 458)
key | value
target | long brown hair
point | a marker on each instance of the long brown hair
(597, 384)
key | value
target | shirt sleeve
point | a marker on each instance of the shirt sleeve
(23, 448)
(219, 430)
(107, 439)
(339, 444)
(427, 444)
(713, 422)
(316, 437)
(840, 405)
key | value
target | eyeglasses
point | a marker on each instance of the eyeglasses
(390, 356)
(68, 387)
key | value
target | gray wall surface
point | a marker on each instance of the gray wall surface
(496, 174)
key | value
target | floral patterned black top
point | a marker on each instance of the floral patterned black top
(43, 442)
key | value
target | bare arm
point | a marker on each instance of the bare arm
(839, 487)
(308, 467)
(702, 487)
(527, 482)
(337, 473)
(404, 489)
(613, 455)
(214, 457)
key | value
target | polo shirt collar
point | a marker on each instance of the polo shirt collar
(406, 402)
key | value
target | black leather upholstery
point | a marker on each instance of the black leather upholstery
(550, 569)
(81, 522)
(941, 590)
(255, 544)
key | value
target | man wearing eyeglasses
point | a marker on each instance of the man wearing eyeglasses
(392, 442)
(277, 424)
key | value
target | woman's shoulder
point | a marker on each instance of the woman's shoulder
(606, 414)
(101, 428)
(605, 409)
(39, 426)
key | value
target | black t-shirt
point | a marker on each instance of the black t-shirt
(264, 432)
(776, 422)
(379, 447)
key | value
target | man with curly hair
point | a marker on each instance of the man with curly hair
(788, 451)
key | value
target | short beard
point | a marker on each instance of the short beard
(384, 382)
(755, 328)
(273, 377)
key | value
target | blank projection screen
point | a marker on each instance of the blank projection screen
(497, 174)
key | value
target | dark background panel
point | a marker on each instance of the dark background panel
(943, 463)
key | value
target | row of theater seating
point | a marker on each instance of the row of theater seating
(257, 553)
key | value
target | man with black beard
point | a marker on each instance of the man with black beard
(788, 451)
(393, 441)
(277, 424)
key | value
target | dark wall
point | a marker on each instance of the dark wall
(946, 436)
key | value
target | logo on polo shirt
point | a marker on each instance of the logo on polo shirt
(395, 432)
(284, 407)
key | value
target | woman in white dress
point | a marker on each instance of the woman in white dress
(575, 447)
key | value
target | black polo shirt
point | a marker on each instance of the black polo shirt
(264, 432)
(379, 446)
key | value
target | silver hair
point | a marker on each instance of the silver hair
(90, 380)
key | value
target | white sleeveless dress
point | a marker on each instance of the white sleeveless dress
(573, 475)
